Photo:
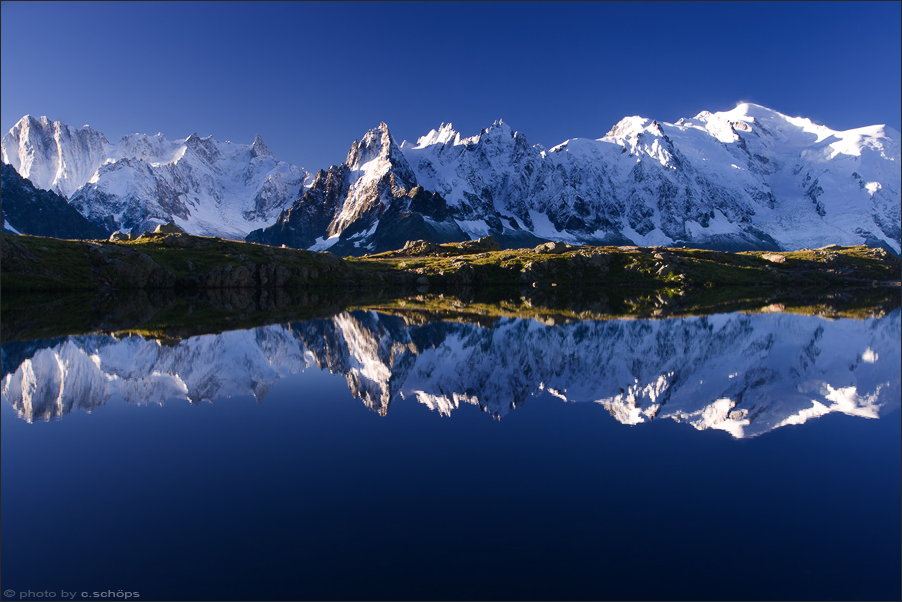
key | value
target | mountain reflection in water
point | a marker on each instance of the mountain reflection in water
(743, 373)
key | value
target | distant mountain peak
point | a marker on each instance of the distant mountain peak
(53, 155)
(627, 126)
(205, 186)
(445, 134)
(259, 147)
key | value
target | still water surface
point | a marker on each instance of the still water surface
(369, 456)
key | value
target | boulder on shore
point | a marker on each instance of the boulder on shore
(169, 228)
(420, 247)
(553, 248)
(486, 243)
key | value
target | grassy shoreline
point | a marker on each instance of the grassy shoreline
(189, 263)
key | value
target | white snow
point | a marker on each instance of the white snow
(10, 227)
(207, 187)
(322, 244)
(800, 183)
(474, 228)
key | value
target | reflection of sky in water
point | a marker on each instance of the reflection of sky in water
(742, 373)
(312, 495)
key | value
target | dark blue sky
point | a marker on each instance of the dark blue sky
(311, 78)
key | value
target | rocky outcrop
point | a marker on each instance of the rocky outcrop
(168, 228)
(480, 245)
(419, 247)
(553, 248)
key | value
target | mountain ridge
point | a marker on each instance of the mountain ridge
(207, 187)
(745, 179)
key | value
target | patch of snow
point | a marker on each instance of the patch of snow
(474, 228)
(322, 244)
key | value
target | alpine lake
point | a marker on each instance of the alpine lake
(544, 443)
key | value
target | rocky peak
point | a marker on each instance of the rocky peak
(445, 134)
(376, 143)
(53, 155)
(497, 131)
(259, 148)
(205, 148)
(376, 156)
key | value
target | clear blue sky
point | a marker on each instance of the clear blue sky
(311, 78)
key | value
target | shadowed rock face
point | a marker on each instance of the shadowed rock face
(301, 224)
(30, 210)
(746, 374)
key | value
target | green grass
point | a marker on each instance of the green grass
(61, 261)
(689, 267)
(34, 263)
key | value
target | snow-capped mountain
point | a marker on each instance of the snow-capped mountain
(369, 203)
(53, 155)
(747, 177)
(746, 374)
(205, 186)
(750, 178)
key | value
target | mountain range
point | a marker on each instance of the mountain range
(208, 187)
(749, 178)
(743, 373)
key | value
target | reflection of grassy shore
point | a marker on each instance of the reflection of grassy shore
(192, 263)
(168, 315)
(641, 303)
